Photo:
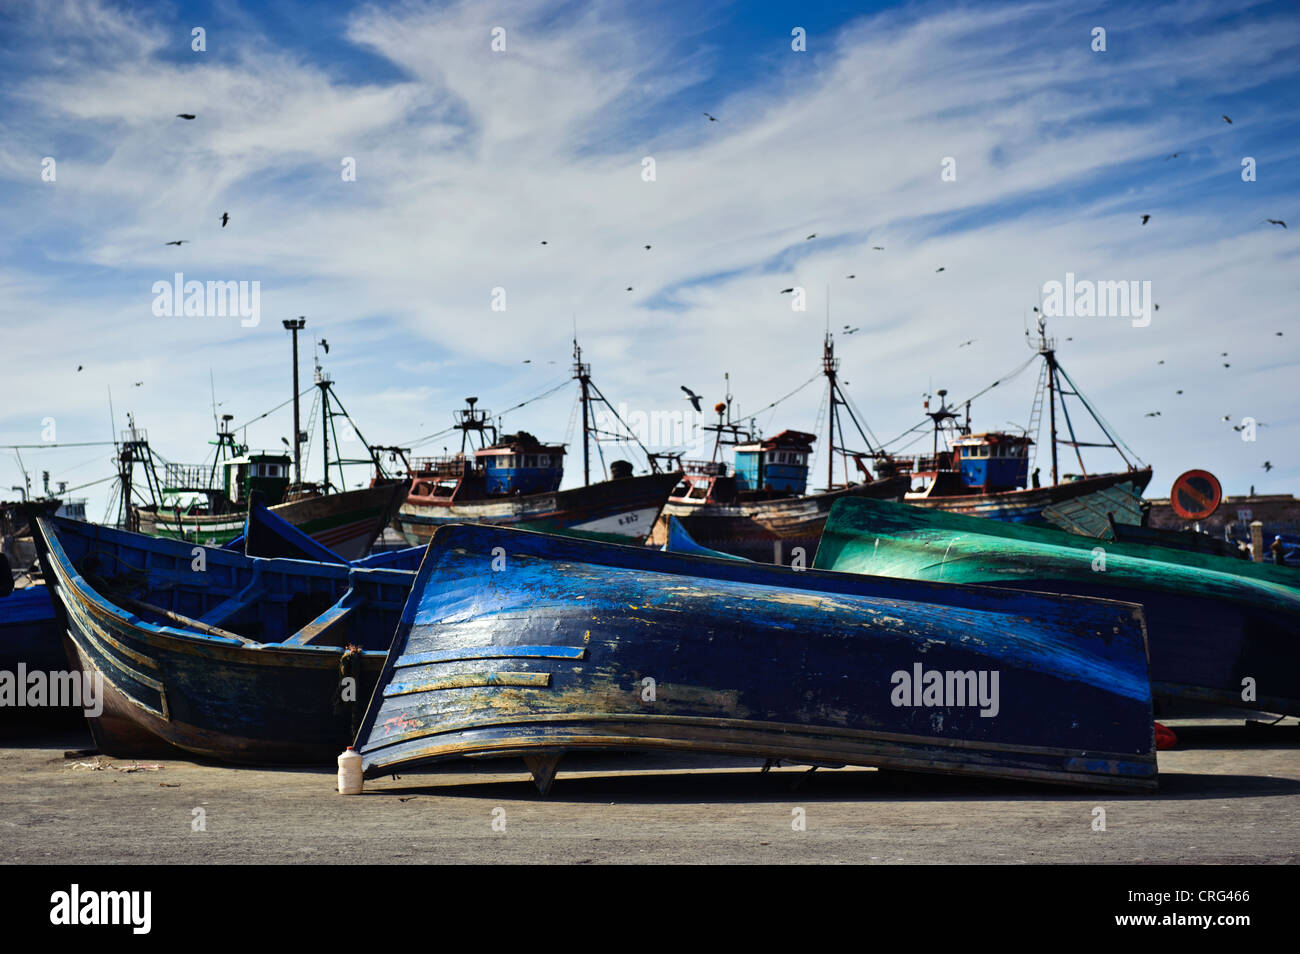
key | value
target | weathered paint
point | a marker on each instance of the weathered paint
(266, 692)
(750, 659)
(1213, 621)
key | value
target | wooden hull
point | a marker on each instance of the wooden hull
(617, 510)
(1213, 621)
(579, 645)
(1026, 506)
(267, 686)
(347, 523)
(767, 531)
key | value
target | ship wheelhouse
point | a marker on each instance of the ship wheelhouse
(767, 469)
(520, 464)
(992, 462)
(776, 465)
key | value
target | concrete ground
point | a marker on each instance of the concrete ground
(1228, 794)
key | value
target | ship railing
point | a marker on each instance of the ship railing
(450, 466)
(708, 468)
(187, 477)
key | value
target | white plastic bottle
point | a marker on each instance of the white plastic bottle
(350, 772)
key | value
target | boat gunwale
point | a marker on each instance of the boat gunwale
(176, 638)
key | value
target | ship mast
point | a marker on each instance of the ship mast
(583, 373)
(1057, 379)
(295, 325)
(830, 366)
(1047, 348)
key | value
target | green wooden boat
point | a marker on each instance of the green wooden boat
(1221, 631)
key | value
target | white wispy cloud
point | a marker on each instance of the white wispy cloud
(471, 158)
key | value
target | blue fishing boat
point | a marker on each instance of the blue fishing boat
(514, 480)
(988, 474)
(216, 653)
(526, 644)
(1223, 631)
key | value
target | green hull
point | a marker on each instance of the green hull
(1221, 630)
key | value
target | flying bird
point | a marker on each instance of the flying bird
(1226, 365)
(813, 236)
(851, 276)
(543, 241)
(225, 217)
(647, 248)
(877, 248)
(786, 291)
(1157, 306)
(528, 360)
(939, 269)
(1268, 465)
(1172, 156)
(852, 331)
(1152, 414)
(965, 343)
(1146, 218)
(184, 115)
(1161, 361)
(1276, 222)
(138, 383)
(177, 242)
(1178, 392)
(693, 398)
(1226, 119)
(629, 287)
(326, 345)
(79, 367)
(1223, 354)
(712, 119)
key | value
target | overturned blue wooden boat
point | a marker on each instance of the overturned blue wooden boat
(217, 653)
(518, 643)
(1223, 631)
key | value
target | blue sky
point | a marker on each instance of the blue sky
(468, 158)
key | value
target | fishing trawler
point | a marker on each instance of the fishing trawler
(207, 503)
(987, 474)
(513, 480)
(759, 508)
